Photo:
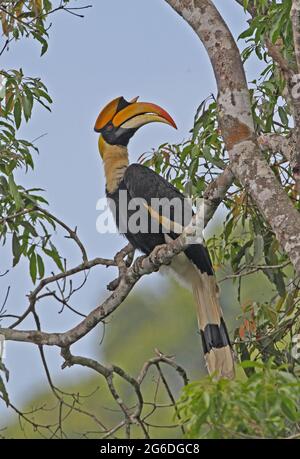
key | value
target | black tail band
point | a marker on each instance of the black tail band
(214, 336)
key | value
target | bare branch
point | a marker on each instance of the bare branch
(215, 193)
(132, 415)
(72, 233)
(274, 51)
(62, 275)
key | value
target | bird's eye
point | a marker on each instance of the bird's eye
(109, 127)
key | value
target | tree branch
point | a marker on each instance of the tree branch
(237, 127)
(128, 275)
(277, 144)
(291, 92)
(132, 415)
(294, 83)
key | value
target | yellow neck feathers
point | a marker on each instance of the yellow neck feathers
(115, 158)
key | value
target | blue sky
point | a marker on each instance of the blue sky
(129, 48)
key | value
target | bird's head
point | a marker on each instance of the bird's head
(119, 120)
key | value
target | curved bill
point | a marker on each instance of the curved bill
(139, 113)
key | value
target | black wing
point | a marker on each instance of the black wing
(142, 182)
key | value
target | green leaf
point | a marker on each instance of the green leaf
(3, 391)
(15, 192)
(289, 410)
(33, 267)
(15, 244)
(27, 106)
(251, 364)
(258, 247)
(17, 113)
(245, 4)
(29, 227)
(43, 42)
(4, 369)
(247, 33)
(9, 104)
(53, 253)
(47, 5)
(279, 282)
(236, 259)
(283, 116)
(16, 248)
(206, 399)
(228, 228)
(289, 303)
(45, 95)
(41, 266)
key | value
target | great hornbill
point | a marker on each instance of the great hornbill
(117, 123)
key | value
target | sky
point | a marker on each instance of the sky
(129, 48)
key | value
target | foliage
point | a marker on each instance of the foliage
(21, 219)
(265, 405)
(191, 165)
(246, 244)
(23, 223)
(29, 19)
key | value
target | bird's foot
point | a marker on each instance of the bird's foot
(154, 255)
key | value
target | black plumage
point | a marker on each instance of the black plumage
(141, 182)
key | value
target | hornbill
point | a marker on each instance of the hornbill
(117, 123)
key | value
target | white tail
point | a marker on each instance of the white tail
(216, 345)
